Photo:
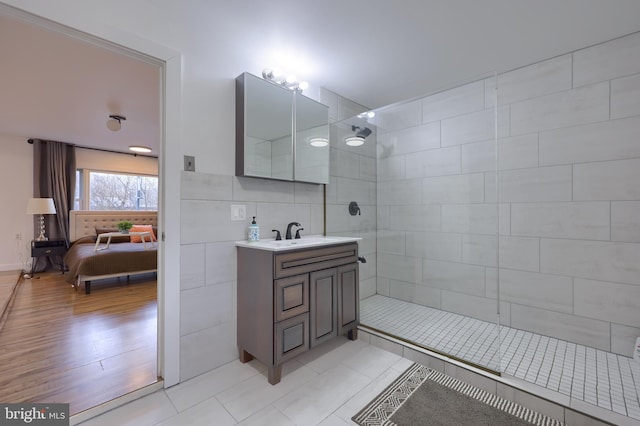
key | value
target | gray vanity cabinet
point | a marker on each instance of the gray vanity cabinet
(289, 302)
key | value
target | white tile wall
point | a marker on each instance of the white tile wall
(518, 152)
(479, 249)
(473, 127)
(434, 245)
(399, 117)
(456, 189)
(424, 217)
(458, 101)
(402, 268)
(460, 277)
(607, 140)
(535, 184)
(409, 140)
(625, 97)
(580, 220)
(552, 292)
(520, 253)
(605, 61)
(569, 108)
(416, 293)
(435, 162)
(599, 260)
(607, 301)
(607, 180)
(470, 218)
(625, 221)
(550, 76)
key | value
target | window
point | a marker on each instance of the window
(98, 190)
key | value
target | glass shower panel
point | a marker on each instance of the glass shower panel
(437, 220)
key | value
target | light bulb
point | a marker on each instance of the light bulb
(303, 85)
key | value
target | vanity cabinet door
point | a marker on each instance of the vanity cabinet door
(348, 306)
(291, 296)
(324, 305)
(291, 337)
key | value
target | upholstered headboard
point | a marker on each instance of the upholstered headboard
(83, 223)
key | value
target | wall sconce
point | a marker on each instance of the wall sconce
(114, 122)
(41, 206)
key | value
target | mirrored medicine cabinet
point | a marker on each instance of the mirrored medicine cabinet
(280, 133)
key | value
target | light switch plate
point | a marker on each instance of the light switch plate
(189, 163)
(238, 212)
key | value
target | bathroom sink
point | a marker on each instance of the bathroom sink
(304, 242)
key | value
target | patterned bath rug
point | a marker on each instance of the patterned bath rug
(422, 396)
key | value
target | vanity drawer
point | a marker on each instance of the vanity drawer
(291, 337)
(291, 296)
(304, 261)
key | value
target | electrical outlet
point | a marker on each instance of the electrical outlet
(238, 212)
(18, 236)
(189, 163)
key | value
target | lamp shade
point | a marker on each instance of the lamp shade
(41, 206)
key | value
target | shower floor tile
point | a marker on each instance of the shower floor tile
(605, 379)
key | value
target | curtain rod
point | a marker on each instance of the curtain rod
(30, 141)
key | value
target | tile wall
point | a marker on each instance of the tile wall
(208, 253)
(565, 200)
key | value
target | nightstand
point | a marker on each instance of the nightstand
(48, 248)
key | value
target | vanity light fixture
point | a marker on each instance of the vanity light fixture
(290, 81)
(114, 123)
(138, 148)
(318, 142)
(367, 114)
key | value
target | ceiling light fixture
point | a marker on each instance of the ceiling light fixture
(114, 122)
(318, 142)
(277, 77)
(138, 148)
(354, 140)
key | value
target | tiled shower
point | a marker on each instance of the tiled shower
(509, 205)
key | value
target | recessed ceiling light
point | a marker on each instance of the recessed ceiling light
(318, 142)
(137, 148)
(354, 141)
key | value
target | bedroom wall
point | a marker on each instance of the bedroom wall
(16, 165)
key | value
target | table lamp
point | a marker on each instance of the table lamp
(41, 206)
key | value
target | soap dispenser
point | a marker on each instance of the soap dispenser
(254, 231)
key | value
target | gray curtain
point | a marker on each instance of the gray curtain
(54, 176)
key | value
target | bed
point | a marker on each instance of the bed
(122, 258)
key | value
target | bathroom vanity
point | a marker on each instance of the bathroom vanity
(294, 295)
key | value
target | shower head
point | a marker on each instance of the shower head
(362, 132)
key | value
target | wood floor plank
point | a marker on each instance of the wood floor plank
(61, 345)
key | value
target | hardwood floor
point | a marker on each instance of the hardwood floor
(61, 345)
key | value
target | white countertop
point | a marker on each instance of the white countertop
(307, 241)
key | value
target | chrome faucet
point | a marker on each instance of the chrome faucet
(288, 235)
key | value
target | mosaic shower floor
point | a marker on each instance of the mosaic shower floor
(601, 378)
